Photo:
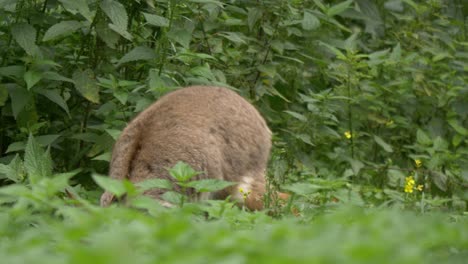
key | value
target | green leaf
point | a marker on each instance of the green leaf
(16, 71)
(3, 94)
(61, 29)
(460, 129)
(356, 165)
(154, 184)
(182, 172)
(439, 179)
(55, 77)
(20, 97)
(303, 189)
(31, 78)
(13, 171)
(310, 21)
(296, 115)
(156, 20)
(118, 15)
(181, 36)
(422, 138)
(138, 53)
(383, 144)
(25, 36)
(86, 84)
(234, 37)
(104, 157)
(113, 186)
(110, 37)
(174, 198)
(78, 6)
(37, 163)
(339, 8)
(209, 185)
(54, 96)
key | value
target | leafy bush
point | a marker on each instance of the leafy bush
(367, 101)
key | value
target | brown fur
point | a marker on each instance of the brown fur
(212, 129)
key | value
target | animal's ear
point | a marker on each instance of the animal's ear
(106, 199)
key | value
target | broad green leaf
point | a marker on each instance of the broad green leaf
(138, 53)
(235, 37)
(113, 186)
(422, 138)
(3, 94)
(214, 2)
(116, 13)
(305, 138)
(439, 179)
(110, 37)
(296, 115)
(55, 77)
(25, 36)
(32, 78)
(174, 198)
(303, 189)
(114, 133)
(209, 185)
(20, 97)
(339, 8)
(181, 36)
(86, 84)
(310, 21)
(253, 16)
(383, 144)
(156, 20)
(182, 172)
(154, 184)
(37, 163)
(122, 32)
(61, 29)
(460, 129)
(78, 6)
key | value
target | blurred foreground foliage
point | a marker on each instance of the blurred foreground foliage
(368, 102)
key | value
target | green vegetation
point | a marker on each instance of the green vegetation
(368, 102)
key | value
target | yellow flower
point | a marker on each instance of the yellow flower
(418, 163)
(348, 135)
(420, 187)
(409, 184)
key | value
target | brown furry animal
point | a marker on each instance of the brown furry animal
(212, 129)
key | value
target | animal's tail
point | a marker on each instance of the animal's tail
(124, 151)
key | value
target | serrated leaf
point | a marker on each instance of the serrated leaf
(86, 84)
(440, 180)
(25, 35)
(156, 20)
(138, 53)
(63, 28)
(16, 71)
(37, 163)
(116, 13)
(182, 172)
(13, 171)
(296, 115)
(310, 21)
(383, 144)
(356, 165)
(339, 8)
(209, 185)
(303, 189)
(32, 78)
(181, 36)
(173, 198)
(78, 6)
(113, 186)
(154, 184)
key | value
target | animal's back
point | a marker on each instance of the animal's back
(212, 129)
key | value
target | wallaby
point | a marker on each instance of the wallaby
(212, 129)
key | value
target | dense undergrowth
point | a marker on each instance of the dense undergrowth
(368, 102)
